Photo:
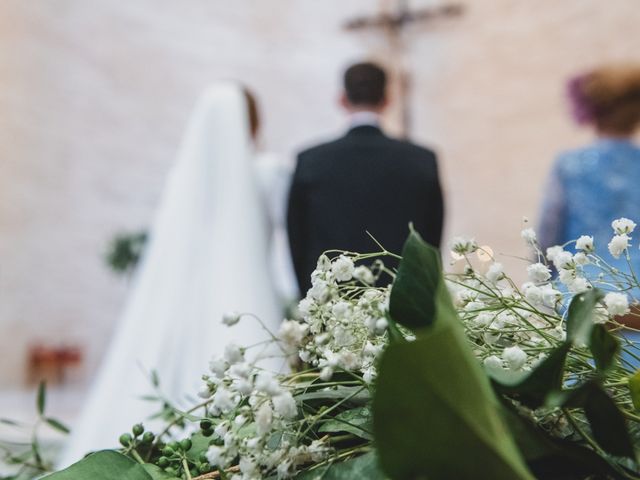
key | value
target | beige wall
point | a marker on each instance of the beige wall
(94, 96)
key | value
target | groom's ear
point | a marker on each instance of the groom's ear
(344, 102)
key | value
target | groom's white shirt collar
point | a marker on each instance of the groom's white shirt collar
(364, 118)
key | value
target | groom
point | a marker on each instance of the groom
(362, 182)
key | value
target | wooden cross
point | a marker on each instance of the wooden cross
(393, 24)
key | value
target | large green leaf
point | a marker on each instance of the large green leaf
(103, 465)
(435, 415)
(360, 468)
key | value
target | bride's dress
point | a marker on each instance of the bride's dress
(208, 255)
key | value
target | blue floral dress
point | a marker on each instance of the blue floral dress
(587, 189)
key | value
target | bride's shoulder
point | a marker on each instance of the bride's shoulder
(272, 163)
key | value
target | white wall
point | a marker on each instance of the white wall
(94, 96)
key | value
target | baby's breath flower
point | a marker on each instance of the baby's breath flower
(285, 405)
(515, 357)
(224, 400)
(218, 366)
(581, 259)
(529, 236)
(617, 303)
(623, 226)
(493, 362)
(563, 260)
(215, 456)
(342, 268)
(364, 274)
(552, 252)
(462, 246)
(618, 244)
(233, 353)
(585, 243)
(495, 272)
(264, 419)
(319, 290)
(231, 318)
(538, 272)
(326, 373)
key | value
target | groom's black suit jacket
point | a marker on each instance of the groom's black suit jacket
(362, 182)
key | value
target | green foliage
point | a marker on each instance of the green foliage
(357, 421)
(125, 250)
(27, 457)
(435, 414)
(362, 467)
(109, 465)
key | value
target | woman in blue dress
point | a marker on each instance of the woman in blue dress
(591, 186)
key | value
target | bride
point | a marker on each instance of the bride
(208, 255)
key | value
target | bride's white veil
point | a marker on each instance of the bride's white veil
(207, 255)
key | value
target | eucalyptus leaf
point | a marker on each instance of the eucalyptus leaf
(103, 465)
(362, 467)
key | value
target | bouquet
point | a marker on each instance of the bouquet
(438, 376)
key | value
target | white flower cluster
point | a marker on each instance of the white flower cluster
(509, 326)
(252, 410)
(621, 241)
(344, 326)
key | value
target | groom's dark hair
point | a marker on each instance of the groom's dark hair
(365, 84)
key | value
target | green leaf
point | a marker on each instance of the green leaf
(580, 316)
(604, 347)
(57, 425)
(553, 458)
(103, 465)
(357, 397)
(357, 421)
(156, 473)
(607, 423)
(435, 414)
(433, 402)
(532, 388)
(363, 467)
(418, 290)
(41, 397)
(634, 388)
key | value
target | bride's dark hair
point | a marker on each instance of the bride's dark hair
(252, 111)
